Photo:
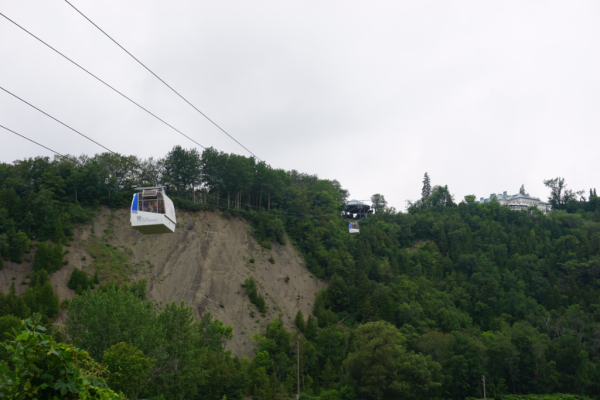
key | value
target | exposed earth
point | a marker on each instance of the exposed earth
(203, 264)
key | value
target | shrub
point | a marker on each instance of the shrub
(64, 303)
(255, 298)
(271, 260)
(48, 257)
(79, 279)
(39, 367)
(40, 295)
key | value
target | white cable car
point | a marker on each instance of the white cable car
(152, 211)
(354, 227)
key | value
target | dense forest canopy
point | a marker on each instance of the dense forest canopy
(419, 305)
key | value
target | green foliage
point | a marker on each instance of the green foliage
(40, 296)
(48, 257)
(18, 243)
(39, 367)
(8, 323)
(177, 352)
(299, 321)
(481, 289)
(11, 304)
(268, 228)
(79, 279)
(255, 297)
(382, 368)
(128, 367)
(109, 263)
(101, 319)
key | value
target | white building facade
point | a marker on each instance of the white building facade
(517, 201)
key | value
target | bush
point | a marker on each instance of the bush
(40, 296)
(129, 368)
(271, 260)
(79, 279)
(255, 298)
(39, 367)
(48, 257)
(64, 303)
(268, 228)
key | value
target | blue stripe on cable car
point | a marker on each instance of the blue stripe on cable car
(134, 206)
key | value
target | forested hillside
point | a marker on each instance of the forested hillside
(419, 305)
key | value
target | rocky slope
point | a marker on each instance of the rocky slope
(203, 264)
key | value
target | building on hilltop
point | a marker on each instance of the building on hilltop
(517, 201)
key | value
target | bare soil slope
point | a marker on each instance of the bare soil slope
(203, 264)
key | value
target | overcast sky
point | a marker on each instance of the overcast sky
(484, 96)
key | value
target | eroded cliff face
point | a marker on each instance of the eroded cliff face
(203, 264)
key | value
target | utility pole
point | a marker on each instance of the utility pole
(298, 370)
(483, 380)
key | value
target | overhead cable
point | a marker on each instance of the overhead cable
(60, 122)
(103, 82)
(160, 79)
(33, 141)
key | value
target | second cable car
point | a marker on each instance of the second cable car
(152, 211)
(355, 209)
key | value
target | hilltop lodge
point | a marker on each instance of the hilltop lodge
(517, 201)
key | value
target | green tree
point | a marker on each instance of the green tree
(379, 202)
(97, 320)
(129, 368)
(183, 168)
(41, 368)
(181, 361)
(48, 257)
(381, 368)
(311, 329)
(79, 278)
(426, 191)
(299, 321)
(41, 297)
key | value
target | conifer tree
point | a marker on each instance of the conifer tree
(329, 375)
(426, 192)
(299, 321)
(311, 329)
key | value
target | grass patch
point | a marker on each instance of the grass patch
(112, 265)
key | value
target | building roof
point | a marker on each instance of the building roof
(505, 197)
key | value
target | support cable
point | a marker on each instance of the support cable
(60, 122)
(33, 141)
(160, 79)
(101, 81)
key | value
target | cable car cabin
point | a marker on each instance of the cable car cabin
(354, 227)
(153, 212)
